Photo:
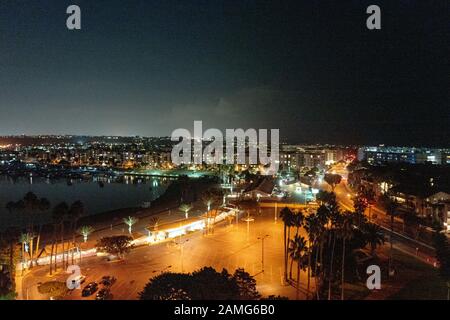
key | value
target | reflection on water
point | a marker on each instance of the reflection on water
(98, 194)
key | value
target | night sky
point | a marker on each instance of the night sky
(310, 68)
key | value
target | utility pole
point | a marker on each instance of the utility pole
(181, 244)
(262, 250)
(275, 213)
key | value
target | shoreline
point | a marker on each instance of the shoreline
(187, 189)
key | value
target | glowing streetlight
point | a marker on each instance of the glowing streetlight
(181, 244)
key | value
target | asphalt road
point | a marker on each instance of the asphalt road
(403, 243)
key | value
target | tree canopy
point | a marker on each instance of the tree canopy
(203, 284)
(116, 245)
(332, 179)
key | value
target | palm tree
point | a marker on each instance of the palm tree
(154, 223)
(185, 208)
(43, 206)
(31, 202)
(359, 204)
(391, 207)
(314, 228)
(85, 231)
(345, 232)
(130, 221)
(297, 250)
(59, 215)
(55, 220)
(76, 211)
(12, 237)
(25, 239)
(286, 215)
(208, 200)
(370, 196)
(334, 221)
(298, 219)
(373, 235)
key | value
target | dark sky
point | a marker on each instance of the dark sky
(309, 68)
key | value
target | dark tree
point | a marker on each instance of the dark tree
(116, 245)
(246, 285)
(203, 284)
(6, 286)
(208, 284)
(332, 179)
(167, 286)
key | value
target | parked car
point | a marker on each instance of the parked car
(103, 294)
(108, 281)
(89, 289)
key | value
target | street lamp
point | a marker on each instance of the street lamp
(181, 244)
(262, 250)
(248, 220)
(276, 211)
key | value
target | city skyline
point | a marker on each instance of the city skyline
(314, 71)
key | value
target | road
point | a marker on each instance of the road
(403, 243)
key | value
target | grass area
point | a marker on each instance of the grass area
(427, 284)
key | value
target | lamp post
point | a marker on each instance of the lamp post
(275, 213)
(248, 220)
(262, 250)
(181, 244)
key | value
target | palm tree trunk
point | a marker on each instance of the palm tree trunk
(62, 245)
(290, 268)
(286, 248)
(51, 257)
(38, 241)
(343, 268)
(285, 254)
(309, 273)
(298, 280)
(74, 238)
(331, 267)
(316, 273)
(23, 256)
(391, 246)
(56, 251)
(31, 251)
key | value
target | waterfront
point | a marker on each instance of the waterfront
(98, 194)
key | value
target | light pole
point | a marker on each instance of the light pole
(248, 220)
(181, 244)
(275, 213)
(262, 250)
